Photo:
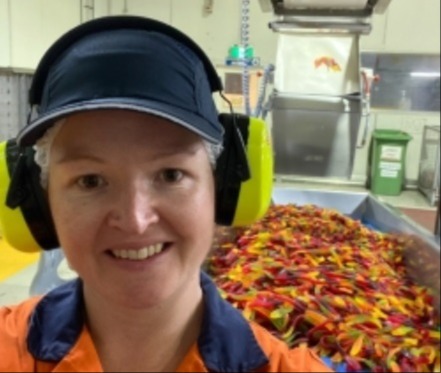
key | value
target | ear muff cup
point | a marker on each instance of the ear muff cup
(28, 228)
(238, 202)
(256, 192)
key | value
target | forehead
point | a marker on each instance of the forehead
(123, 127)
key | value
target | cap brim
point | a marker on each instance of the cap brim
(200, 126)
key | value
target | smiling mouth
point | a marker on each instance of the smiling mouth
(140, 254)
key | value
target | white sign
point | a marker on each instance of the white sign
(317, 64)
(391, 166)
(391, 153)
(389, 174)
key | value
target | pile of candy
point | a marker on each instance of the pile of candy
(314, 276)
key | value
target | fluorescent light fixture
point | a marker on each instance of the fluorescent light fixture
(421, 74)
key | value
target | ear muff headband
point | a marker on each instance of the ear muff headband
(108, 24)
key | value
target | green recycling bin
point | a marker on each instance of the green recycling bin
(388, 164)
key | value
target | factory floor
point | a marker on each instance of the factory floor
(15, 284)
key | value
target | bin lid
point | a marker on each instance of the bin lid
(395, 135)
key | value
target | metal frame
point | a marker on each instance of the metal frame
(373, 6)
(279, 9)
(433, 192)
(381, 6)
(13, 102)
(322, 25)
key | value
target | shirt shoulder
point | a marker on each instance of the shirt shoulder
(13, 333)
(283, 359)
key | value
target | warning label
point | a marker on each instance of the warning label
(391, 153)
(391, 166)
(389, 174)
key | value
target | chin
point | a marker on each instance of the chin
(142, 296)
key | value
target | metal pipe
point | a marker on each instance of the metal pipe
(262, 91)
(245, 36)
(86, 7)
(438, 220)
(208, 7)
(9, 20)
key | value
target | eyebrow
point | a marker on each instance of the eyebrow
(172, 151)
(80, 154)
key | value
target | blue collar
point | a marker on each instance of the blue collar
(226, 342)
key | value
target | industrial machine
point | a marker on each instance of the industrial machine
(319, 102)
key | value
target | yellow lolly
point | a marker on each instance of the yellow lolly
(358, 345)
(402, 331)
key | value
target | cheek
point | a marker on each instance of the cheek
(199, 214)
(74, 221)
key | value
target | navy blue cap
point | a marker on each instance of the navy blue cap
(132, 69)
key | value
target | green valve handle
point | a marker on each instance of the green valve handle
(238, 52)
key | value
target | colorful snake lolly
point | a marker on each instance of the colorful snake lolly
(313, 276)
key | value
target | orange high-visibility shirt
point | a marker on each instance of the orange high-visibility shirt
(49, 334)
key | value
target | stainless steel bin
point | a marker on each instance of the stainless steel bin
(315, 136)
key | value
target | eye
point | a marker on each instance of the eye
(91, 181)
(171, 175)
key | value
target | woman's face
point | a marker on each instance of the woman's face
(132, 197)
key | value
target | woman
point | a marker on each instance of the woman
(127, 137)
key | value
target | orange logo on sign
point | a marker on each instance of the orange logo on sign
(329, 62)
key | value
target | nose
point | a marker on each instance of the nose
(134, 209)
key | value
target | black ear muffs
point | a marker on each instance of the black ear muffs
(232, 168)
(243, 175)
(29, 227)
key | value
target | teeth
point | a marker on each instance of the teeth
(144, 253)
(151, 250)
(133, 255)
